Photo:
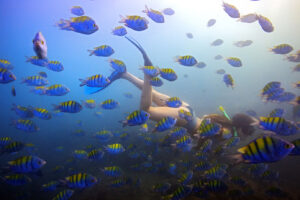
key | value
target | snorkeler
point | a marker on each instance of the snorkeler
(149, 95)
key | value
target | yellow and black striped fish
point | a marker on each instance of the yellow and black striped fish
(80, 180)
(69, 107)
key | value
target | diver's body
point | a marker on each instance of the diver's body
(149, 96)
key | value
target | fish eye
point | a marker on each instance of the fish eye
(39, 162)
(287, 146)
(94, 25)
(42, 42)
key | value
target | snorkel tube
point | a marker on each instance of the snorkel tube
(227, 116)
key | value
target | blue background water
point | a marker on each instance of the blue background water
(204, 90)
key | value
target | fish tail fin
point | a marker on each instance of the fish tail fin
(63, 24)
(55, 107)
(123, 122)
(83, 82)
(146, 9)
(91, 52)
(122, 20)
(235, 159)
(176, 58)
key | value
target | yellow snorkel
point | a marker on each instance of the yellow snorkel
(227, 116)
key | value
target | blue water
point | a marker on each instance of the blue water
(203, 89)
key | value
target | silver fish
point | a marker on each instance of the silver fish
(40, 45)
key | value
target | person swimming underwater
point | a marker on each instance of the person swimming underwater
(240, 122)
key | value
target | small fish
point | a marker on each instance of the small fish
(22, 111)
(232, 142)
(77, 10)
(89, 103)
(135, 22)
(234, 62)
(215, 173)
(36, 61)
(231, 10)
(95, 154)
(211, 22)
(120, 182)
(265, 24)
(282, 49)
(278, 125)
(185, 177)
(40, 90)
(54, 66)
(294, 58)
(201, 65)
(218, 57)
(226, 133)
(6, 64)
(228, 80)
(202, 166)
(69, 107)
(57, 90)
(119, 31)
(178, 132)
(172, 168)
(115, 148)
(220, 71)
(82, 24)
(174, 102)
(168, 74)
(250, 18)
(51, 186)
(155, 15)
(64, 195)
(6, 76)
(95, 81)
(42, 113)
(296, 85)
(80, 154)
(296, 150)
(103, 50)
(40, 45)
(144, 128)
(264, 149)
(137, 117)
(109, 104)
(184, 143)
(180, 193)
(165, 124)
(13, 147)
(201, 156)
(17, 179)
(206, 146)
(210, 129)
(26, 164)
(5, 141)
(216, 186)
(113, 171)
(80, 180)
(156, 82)
(277, 112)
(168, 11)
(35, 81)
(270, 87)
(103, 135)
(189, 35)
(151, 70)
(43, 74)
(25, 125)
(243, 43)
(186, 60)
(117, 65)
(183, 114)
(217, 42)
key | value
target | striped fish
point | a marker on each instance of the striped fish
(282, 49)
(278, 125)
(95, 154)
(51, 186)
(155, 15)
(117, 65)
(168, 74)
(103, 50)
(13, 147)
(186, 60)
(42, 113)
(150, 71)
(109, 104)
(185, 178)
(54, 66)
(80, 180)
(174, 102)
(264, 149)
(6, 76)
(215, 173)
(57, 90)
(36, 61)
(5, 64)
(234, 62)
(165, 124)
(156, 82)
(95, 81)
(135, 22)
(4, 141)
(119, 31)
(228, 80)
(216, 186)
(113, 171)
(64, 195)
(35, 81)
(26, 164)
(17, 179)
(137, 117)
(25, 125)
(115, 148)
(69, 107)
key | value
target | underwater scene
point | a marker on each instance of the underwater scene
(149, 99)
